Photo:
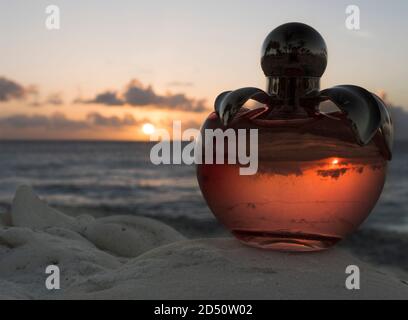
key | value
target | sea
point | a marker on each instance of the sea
(104, 178)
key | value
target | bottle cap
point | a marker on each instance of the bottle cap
(294, 50)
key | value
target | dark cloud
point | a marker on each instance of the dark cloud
(59, 121)
(109, 98)
(138, 95)
(23, 121)
(10, 89)
(400, 118)
(135, 94)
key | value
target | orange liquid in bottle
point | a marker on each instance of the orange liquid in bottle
(309, 210)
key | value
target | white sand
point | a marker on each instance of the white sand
(126, 257)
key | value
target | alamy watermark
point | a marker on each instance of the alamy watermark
(53, 18)
(352, 17)
(220, 146)
(53, 280)
(353, 280)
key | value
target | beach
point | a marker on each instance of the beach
(121, 228)
(125, 257)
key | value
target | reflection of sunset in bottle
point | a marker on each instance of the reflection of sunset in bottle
(299, 211)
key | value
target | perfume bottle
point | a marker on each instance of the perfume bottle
(322, 155)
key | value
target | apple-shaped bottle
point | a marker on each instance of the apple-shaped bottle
(322, 155)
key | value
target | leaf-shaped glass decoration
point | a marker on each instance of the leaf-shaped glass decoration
(366, 112)
(387, 129)
(228, 103)
(360, 107)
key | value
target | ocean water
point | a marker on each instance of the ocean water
(118, 178)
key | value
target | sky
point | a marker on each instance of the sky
(114, 66)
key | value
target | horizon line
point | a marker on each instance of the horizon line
(106, 140)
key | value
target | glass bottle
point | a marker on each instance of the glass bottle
(322, 155)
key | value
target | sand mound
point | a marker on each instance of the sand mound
(126, 236)
(224, 269)
(125, 257)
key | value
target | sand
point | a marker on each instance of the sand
(128, 257)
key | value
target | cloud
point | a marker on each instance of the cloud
(56, 120)
(400, 119)
(23, 121)
(137, 95)
(59, 121)
(134, 94)
(399, 116)
(10, 89)
(109, 98)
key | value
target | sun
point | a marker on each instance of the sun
(335, 161)
(148, 128)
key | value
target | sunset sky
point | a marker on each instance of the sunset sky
(116, 65)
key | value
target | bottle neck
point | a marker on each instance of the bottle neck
(291, 89)
(296, 95)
